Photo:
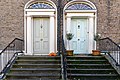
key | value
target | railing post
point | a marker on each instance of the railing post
(64, 60)
(65, 71)
(58, 25)
(60, 41)
(63, 66)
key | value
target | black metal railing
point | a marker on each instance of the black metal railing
(9, 54)
(106, 45)
(59, 18)
(64, 61)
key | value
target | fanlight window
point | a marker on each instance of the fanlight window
(40, 6)
(80, 6)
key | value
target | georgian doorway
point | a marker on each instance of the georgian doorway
(40, 27)
(80, 20)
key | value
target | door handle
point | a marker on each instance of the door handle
(41, 39)
(78, 26)
(41, 26)
(78, 39)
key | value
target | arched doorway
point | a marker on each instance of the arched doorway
(40, 27)
(80, 19)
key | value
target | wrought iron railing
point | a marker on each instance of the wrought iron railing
(59, 18)
(64, 61)
(106, 45)
(9, 54)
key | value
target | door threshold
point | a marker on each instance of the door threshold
(40, 54)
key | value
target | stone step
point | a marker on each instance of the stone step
(32, 69)
(93, 75)
(35, 70)
(85, 67)
(93, 78)
(32, 76)
(38, 61)
(36, 65)
(36, 79)
(42, 56)
(87, 62)
(36, 75)
(85, 57)
(91, 71)
(89, 65)
(38, 57)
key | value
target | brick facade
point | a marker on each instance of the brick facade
(12, 19)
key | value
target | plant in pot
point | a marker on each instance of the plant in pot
(69, 37)
(97, 38)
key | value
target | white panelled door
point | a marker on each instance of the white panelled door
(79, 43)
(41, 35)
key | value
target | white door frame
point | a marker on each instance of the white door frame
(89, 14)
(29, 29)
(28, 26)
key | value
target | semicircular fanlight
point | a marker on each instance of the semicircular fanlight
(79, 6)
(40, 6)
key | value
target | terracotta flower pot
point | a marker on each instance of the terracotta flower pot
(52, 54)
(69, 52)
(95, 52)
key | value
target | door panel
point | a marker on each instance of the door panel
(79, 41)
(41, 35)
(36, 35)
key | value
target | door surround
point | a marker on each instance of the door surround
(40, 11)
(81, 9)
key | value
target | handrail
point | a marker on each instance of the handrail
(9, 54)
(64, 61)
(110, 40)
(108, 46)
(10, 44)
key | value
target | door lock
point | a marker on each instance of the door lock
(78, 26)
(78, 39)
